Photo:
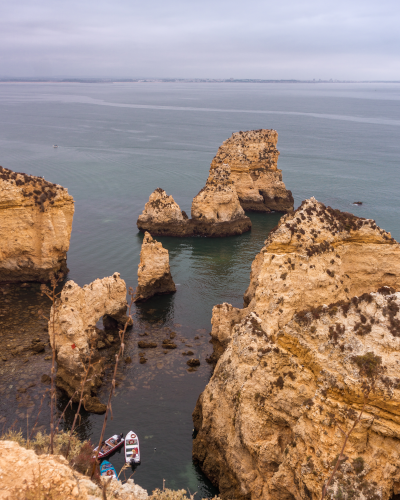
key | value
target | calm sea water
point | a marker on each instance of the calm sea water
(117, 143)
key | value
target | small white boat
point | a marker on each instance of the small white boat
(109, 446)
(55, 146)
(132, 449)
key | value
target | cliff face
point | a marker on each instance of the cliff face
(77, 312)
(36, 222)
(321, 294)
(253, 159)
(154, 274)
(216, 211)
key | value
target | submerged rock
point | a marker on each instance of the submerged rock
(75, 333)
(322, 296)
(253, 159)
(36, 222)
(154, 274)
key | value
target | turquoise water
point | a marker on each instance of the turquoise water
(118, 142)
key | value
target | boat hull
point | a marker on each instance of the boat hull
(132, 448)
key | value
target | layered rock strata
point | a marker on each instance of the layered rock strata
(75, 334)
(216, 211)
(154, 274)
(253, 158)
(322, 296)
(35, 229)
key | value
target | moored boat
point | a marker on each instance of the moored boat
(132, 448)
(109, 446)
(107, 469)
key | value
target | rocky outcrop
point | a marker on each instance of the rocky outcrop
(322, 296)
(253, 159)
(216, 211)
(154, 274)
(36, 222)
(75, 334)
(25, 475)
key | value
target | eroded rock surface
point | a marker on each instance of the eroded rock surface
(154, 274)
(322, 293)
(76, 314)
(253, 159)
(36, 222)
(25, 475)
(216, 211)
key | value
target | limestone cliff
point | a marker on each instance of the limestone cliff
(35, 229)
(321, 294)
(154, 274)
(216, 211)
(253, 158)
(76, 314)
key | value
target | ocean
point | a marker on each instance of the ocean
(118, 142)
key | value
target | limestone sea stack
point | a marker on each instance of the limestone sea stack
(322, 306)
(154, 274)
(76, 314)
(35, 228)
(216, 211)
(253, 158)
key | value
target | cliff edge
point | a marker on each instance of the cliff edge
(253, 159)
(35, 230)
(291, 365)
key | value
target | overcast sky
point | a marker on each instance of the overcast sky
(280, 39)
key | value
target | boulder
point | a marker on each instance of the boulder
(253, 159)
(154, 274)
(36, 223)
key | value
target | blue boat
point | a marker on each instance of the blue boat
(107, 469)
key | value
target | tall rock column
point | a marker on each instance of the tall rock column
(154, 274)
(253, 159)
(35, 227)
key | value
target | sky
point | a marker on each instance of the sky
(263, 39)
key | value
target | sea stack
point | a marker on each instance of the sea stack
(75, 334)
(216, 211)
(35, 230)
(320, 315)
(154, 274)
(253, 158)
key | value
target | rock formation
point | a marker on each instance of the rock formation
(76, 314)
(25, 475)
(216, 211)
(322, 301)
(154, 274)
(36, 222)
(253, 159)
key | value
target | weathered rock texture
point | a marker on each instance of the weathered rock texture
(76, 314)
(253, 159)
(25, 475)
(154, 274)
(35, 227)
(216, 211)
(322, 293)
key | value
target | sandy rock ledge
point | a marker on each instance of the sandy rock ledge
(154, 274)
(322, 298)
